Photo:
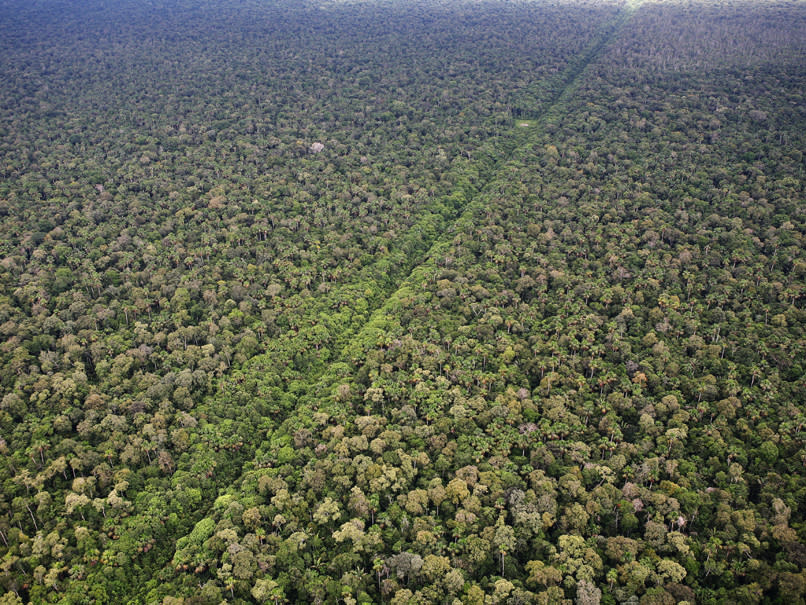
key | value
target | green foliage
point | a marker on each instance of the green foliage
(295, 310)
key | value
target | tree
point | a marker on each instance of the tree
(266, 590)
(503, 540)
(588, 593)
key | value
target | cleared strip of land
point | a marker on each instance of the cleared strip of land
(284, 393)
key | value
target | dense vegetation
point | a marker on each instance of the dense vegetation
(402, 302)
